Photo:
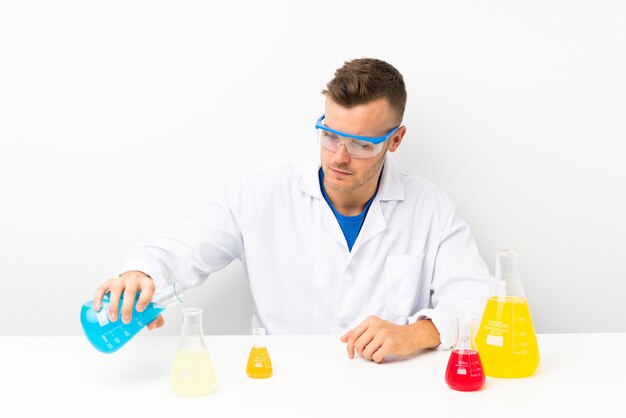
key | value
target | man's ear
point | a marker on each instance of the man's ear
(396, 139)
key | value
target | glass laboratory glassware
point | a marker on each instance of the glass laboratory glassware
(465, 370)
(108, 336)
(259, 363)
(506, 337)
(192, 372)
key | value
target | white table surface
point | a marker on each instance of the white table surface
(581, 375)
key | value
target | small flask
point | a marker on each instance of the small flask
(259, 363)
(108, 336)
(465, 370)
(506, 337)
(192, 371)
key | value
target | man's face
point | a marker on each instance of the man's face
(343, 173)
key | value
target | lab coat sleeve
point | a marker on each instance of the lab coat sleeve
(194, 248)
(460, 284)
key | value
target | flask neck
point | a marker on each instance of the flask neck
(465, 335)
(508, 278)
(168, 296)
(258, 337)
(191, 335)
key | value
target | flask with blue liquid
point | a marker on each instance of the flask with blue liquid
(108, 336)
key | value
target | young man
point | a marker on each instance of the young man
(347, 246)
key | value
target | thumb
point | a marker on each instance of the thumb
(157, 323)
(344, 338)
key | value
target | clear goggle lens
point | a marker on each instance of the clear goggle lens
(356, 148)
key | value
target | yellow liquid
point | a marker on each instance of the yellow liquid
(259, 363)
(192, 373)
(506, 339)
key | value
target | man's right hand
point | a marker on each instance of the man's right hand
(127, 284)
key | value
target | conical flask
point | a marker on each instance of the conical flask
(465, 370)
(506, 337)
(192, 371)
(259, 364)
(108, 336)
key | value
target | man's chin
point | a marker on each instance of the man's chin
(340, 185)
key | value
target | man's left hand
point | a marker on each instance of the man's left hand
(376, 338)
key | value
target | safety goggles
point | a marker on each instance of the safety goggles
(358, 146)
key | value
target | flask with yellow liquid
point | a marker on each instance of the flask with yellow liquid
(506, 337)
(259, 363)
(192, 371)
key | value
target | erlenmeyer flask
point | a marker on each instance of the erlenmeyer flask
(108, 336)
(259, 364)
(506, 337)
(192, 371)
(465, 371)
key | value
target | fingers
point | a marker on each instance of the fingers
(363, 341)
(375, 338)
(100, 292)
(380, 354)
(127, 286)
(157, 323)
(371, 340)
(354, 335)
(128, 303)
(147, 291)
(115, 293)
(373, 346)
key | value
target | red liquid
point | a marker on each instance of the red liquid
(465, 370)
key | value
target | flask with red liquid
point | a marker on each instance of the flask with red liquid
(465, 370)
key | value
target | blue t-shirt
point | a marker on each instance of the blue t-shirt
(350, 225)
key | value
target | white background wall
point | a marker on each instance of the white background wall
(119, 118)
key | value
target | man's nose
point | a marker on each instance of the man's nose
(342, 155)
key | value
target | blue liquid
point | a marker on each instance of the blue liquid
(108, 336)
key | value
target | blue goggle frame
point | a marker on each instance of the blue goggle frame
(373, 140)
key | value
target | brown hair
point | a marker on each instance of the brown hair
(365, 79)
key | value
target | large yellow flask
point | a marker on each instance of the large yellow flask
(192, 372)
(506, 337)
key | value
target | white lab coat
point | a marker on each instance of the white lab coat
(413, 258)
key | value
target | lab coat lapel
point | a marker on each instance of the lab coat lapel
(330, 224)
(309, 183)
(390, 189)
(373, 225)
